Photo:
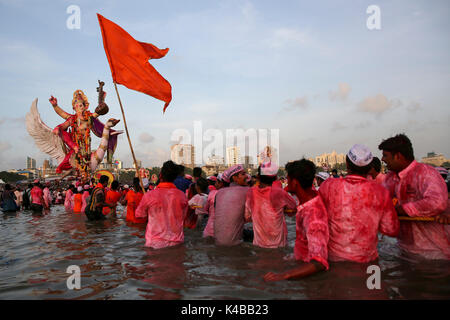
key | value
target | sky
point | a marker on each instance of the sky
(311, 69)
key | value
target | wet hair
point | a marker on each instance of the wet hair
(358, 170)
(303, 171)
(202, 184)
(398, 144)
(376, 164)
(103, 179)
(266, 179)
(169, 171)
(197, 172)
(115, 185)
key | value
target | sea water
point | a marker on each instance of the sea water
(36, 251)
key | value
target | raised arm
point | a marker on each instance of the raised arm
(57, 109)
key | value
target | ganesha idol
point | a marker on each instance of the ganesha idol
(70, 142)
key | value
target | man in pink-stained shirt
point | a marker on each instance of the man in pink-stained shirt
(421, 192)
(165, 207)
(47, 196)
(265, 205)
(229, 211)
(375, 171)
(311, 243)
(357, 210)
(210, 208)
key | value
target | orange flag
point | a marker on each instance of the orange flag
(128, 60)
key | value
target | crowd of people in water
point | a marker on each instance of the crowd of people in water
(338, 218)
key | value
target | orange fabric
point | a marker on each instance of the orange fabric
(166, 185)
(128, 60)
(133, 199)
(111, 198)
(77, 203)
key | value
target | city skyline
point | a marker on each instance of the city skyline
(313, 71)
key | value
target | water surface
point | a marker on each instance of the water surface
(36, 250)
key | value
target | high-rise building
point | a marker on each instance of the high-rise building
(183, 154)
(248, 162)
(232, 156)
(31, 163)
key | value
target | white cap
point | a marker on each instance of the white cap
(80, 188)
(126, 186)
(145, 182)
(360, 155)
(323, 175)
(269, 168)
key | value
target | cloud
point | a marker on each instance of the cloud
(342, 92)
(338, 126)
(363, 125)
(378, 104)
(249, 12)
(146, 138)
(283, 36)
(414, 106)
(301, 102)
(4, 146)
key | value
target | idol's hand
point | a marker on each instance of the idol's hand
(53, 101)
(56, 131)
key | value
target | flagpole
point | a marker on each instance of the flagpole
(129, 141)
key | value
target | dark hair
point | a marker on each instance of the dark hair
(303, 171)
(136, 184)
(115, 185)
(169, 171)
(180, 169)
(8, 186)
(358, 170)
(266, 179)
(203, 184)
(197, 172)
(334, 171)
(376, 164)
(103, 179)
(398, 144)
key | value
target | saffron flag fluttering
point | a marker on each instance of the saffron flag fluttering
(128, 60)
